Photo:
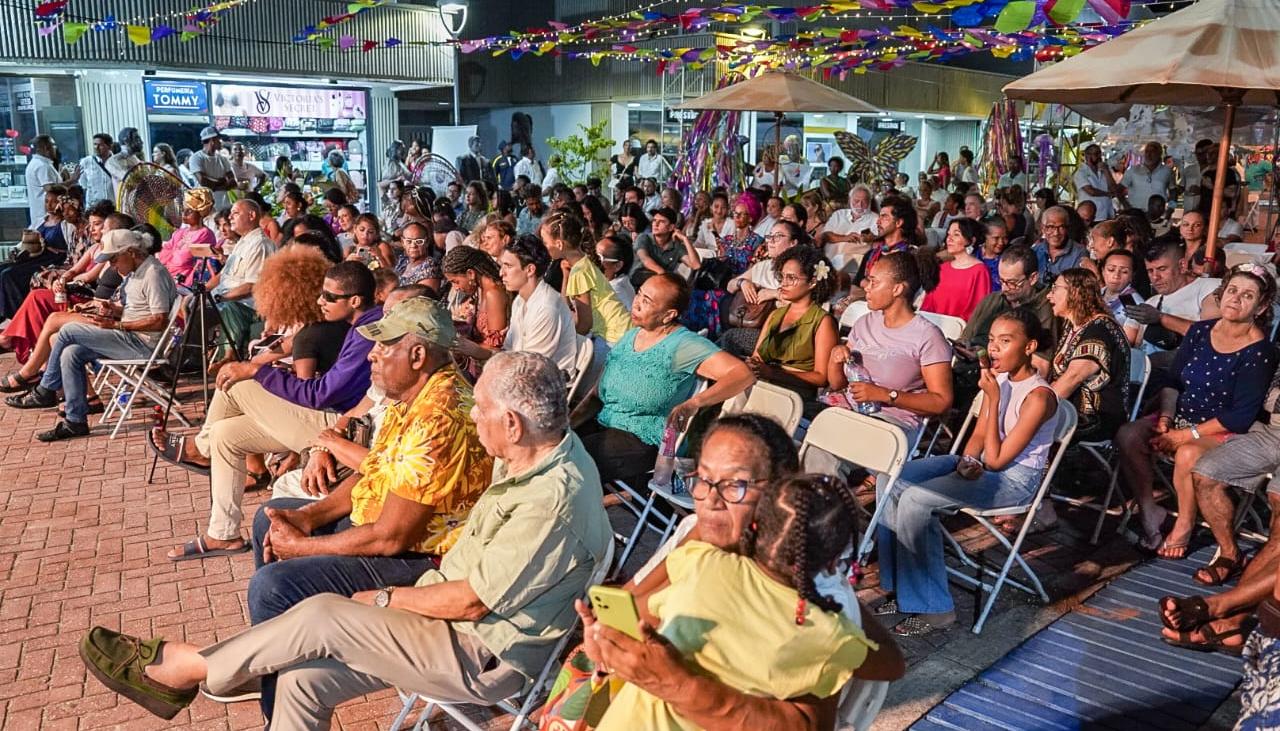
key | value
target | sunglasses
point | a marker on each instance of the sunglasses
(413, 241)
(332, 297)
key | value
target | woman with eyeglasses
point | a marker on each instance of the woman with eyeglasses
(737, 461)
(760, 286)
(735, 251)
(794, 346)
(419, 263)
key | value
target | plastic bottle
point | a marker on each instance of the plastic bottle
(59, 295)
(665, 466)
(857, 373)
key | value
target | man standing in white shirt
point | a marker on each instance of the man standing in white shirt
(652, 164)
(529, 165)
(94, 176)
(1094, 183)
(211, 169)
(1140, 182)
(248, 175)
(40, 172)
(1192, 172)
(1015, 176)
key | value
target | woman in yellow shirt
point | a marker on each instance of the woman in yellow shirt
(755, 621)
(596, 307)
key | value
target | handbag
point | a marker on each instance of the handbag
(714, 273)
(745, 314)
(575, 702)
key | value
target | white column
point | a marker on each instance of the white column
(110, 101)
(384, 123)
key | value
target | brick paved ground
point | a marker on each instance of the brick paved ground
(82, 542)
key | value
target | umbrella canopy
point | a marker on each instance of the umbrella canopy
(1184, 58)
(779, 92)
(1216, 52)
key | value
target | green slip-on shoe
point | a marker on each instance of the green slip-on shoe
(119, 661)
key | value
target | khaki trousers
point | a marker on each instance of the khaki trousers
(329, 649)
(247, 419)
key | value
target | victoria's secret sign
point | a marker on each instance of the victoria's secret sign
(232, 100)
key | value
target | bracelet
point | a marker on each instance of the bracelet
(318, 448)
(1195, 433)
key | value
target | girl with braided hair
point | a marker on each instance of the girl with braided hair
(596, 307)
(479, 303)
(753, 621)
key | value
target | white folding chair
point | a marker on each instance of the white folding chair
(528, 699)
(1100, 451)
(870, 443)
(853, 313)
(581, 365)
(134, 375)
(1062, 433)
(952, 327)
(780, 404)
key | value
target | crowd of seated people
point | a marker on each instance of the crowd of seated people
(401, 384)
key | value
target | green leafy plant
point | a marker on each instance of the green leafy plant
(582, 155)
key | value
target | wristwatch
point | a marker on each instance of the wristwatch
(893, 397)
(383, 597)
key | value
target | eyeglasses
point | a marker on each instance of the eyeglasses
(776, 237)
(731, 491)
(421, 241)
(1013, 283)
(1053, 226)
(793, 279)
(333, 297)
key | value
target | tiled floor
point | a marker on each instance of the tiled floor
(82, 542)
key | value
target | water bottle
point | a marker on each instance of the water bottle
(857, 373)
(123, 398)
(59, 295)
(666, 464)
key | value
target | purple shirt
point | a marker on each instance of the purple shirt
(895, 357)
(337, 389)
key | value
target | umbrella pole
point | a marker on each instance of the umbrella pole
(1231, 99)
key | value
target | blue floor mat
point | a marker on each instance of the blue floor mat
(1101, 666)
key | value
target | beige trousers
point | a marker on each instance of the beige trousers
(247, 419)
(329, 649)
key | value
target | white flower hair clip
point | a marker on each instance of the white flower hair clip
(821, 271)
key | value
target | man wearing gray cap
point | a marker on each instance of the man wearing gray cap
(127, 330)
(211, 168)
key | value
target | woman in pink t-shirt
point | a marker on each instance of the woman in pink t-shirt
(176, 253)
(908, 357)
(963, 281)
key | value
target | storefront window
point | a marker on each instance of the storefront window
(31, 106)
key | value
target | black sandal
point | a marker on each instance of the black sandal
(1234, 568)
(1194, 611)
(1213, 641)
(33, 400)
(15, 382)
(174, 448)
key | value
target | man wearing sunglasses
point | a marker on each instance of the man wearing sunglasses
(261, 409)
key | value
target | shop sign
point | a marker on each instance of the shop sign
(26, 101)
(176, 97)
(679, 116)
(236, 100)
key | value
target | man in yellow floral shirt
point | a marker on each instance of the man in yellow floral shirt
(390, 522)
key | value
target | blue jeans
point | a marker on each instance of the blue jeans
(910, 536)
(277, 586)
(76, 346)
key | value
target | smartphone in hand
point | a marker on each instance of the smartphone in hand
(616, 608)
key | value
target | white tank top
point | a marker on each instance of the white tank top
(1012, 394)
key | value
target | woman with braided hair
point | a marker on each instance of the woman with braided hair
(596, 307)
(753, 622)
(478, 301)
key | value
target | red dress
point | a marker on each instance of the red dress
(959, 291)
(24, 329)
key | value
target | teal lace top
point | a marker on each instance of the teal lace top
(639, 389)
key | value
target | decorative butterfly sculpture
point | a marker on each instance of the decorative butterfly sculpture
(868, 164)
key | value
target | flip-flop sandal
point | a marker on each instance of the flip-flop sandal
(1234, 570)
(24, 384)
(199, 549)
(1193, 609)
(1213, 640)
(1184, 546)
(175, 446)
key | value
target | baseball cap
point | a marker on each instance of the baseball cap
(209, 133)
(117, 240)
(419, 316)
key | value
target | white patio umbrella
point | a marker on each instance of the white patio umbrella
(1216, 52)
(780, 92)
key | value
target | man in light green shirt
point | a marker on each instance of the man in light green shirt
(475, 631)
